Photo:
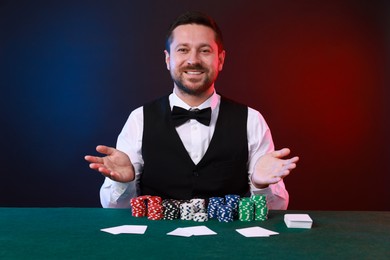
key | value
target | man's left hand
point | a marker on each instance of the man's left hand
(271, 168)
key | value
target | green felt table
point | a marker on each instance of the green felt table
(74, 233)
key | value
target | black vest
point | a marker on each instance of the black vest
(169, 171)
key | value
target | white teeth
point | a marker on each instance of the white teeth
(194, 72)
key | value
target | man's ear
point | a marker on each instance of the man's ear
(221, 59)
(167, 59)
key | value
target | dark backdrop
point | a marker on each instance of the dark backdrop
(71, 72)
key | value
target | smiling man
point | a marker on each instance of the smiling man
(193, 143)
(194, 61)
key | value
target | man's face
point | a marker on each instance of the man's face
(194, 61)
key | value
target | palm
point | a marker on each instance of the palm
(117, 162)
(116, 165)
(270, 168)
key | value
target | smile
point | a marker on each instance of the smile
(193, 72)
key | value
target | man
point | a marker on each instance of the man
(193, 143)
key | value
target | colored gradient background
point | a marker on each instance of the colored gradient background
(318, 71)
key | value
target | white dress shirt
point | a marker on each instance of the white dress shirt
(196, 138)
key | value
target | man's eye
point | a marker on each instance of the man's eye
(206, 50)
(182, 50)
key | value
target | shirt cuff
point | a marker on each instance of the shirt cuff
(118, 188)
(255, 190)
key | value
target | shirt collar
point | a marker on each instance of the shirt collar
(212, 102)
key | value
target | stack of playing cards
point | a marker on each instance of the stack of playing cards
(298, 220)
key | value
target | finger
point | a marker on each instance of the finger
(281, 153)
(103, 170)
(95, 166)
(108, 173)
(286, 170)
(289, 167)
(294, 159)
(105, 149)
(290, 163)
(93, 159)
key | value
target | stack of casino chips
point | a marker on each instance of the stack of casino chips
(200, 217)
(225, 213)
(253, 208)
(223, 209)
(146, 205)
(194, 209)
(138, 206)
(199, 205)
(171, 209)
(154, 208)
(187, 211)
(200, 210)
(212, 208)
(233, 202)
(246, 209)
(261, 209)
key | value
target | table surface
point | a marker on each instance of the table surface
(59, 233)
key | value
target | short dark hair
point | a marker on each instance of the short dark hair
(195, 17)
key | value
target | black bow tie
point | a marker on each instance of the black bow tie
(181, 115)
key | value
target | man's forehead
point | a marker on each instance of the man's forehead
(193, 33)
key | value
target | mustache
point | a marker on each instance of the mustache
(194, 67)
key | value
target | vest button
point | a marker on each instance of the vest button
(195, 173)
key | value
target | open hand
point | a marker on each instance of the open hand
(116, 165)
(271, 168)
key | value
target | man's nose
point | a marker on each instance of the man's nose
(193, 58)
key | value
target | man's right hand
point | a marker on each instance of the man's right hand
(115, 165)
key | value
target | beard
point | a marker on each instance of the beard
(193, 88)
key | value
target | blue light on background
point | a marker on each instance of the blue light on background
(59, 62)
